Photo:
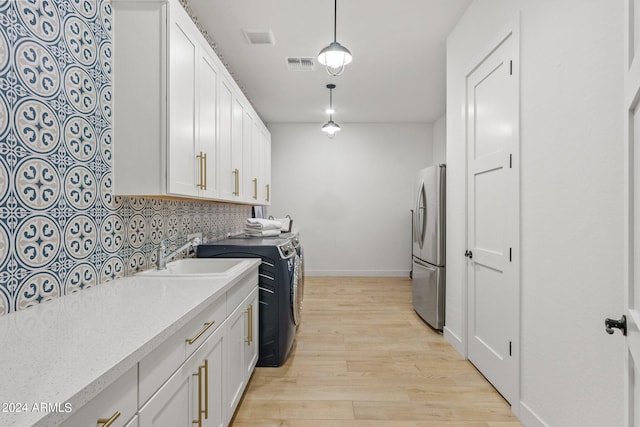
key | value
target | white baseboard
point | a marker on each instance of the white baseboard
(455, 341)
(528, 418)
(360, 273)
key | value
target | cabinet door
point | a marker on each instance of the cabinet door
(195, 393)
(227, 176)
(242, 349)
(207, 180)
(173, 404)
(251, 344)
(237, 147)
(257, 175)
(182, 103)
(236, 336)
(265, 140)
(212, 356)
(247, 157)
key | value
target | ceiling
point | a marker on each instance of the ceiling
(398, 47)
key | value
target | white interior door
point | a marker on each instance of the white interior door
(492, 208)
(632, 212)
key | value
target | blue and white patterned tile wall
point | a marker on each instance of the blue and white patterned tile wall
(61, 229)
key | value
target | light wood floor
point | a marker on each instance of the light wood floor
(362, 357)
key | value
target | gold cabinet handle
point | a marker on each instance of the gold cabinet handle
(250, 324)
(200, 179)
(255, 188)
(106, 422)
(268, 192)
(206, 388)
(204, 162)
(194, 339)
(236, 172)
(203, 376)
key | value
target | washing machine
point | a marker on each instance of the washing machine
(295, 241)
(278, 278)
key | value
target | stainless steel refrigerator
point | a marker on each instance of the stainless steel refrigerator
(428, 293)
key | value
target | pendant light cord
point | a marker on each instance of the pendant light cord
(331, 104)
(335, 20)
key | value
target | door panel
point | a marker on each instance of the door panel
(632, 212)
(182, 75)
(208, 84)
(488, 314)
(227, 181)
(489, 211)
(491, 110)
(492, 229)
(172, 405)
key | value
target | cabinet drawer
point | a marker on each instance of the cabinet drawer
(240, 291)
(158, 366)
(119, 398)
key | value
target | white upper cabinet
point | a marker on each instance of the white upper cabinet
(207, 153)
(247, 175)
(258, 167)
(228, 181)
(184, 178)
(237, 151)
(266, 166)
(178, 114)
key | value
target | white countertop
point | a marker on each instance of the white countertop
(68, 350)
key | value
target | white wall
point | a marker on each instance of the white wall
(440, 140)
(350, 197)
(571, 201)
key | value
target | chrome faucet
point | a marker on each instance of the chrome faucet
(163, 258)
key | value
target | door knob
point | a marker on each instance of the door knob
(621, 324)
(468, 254)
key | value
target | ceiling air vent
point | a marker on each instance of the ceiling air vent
(300, 64)
(259, 36)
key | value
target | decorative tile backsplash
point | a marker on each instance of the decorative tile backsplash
(61, 229)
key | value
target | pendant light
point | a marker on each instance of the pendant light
(331, 127)
(335, 56)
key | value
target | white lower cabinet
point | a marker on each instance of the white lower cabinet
(171, 405)
(196, 377)
(235, 350)
(207, 388)
(251, 346)
(115, 405)
(214, 396)
(193, 394)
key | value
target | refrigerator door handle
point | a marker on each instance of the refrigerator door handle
(416, 215)
(422, 215)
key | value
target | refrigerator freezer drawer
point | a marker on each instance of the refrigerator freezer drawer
(428, 293)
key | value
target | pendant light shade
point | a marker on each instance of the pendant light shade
(331, 127)
(335, 56)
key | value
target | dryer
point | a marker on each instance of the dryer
(278, 276)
